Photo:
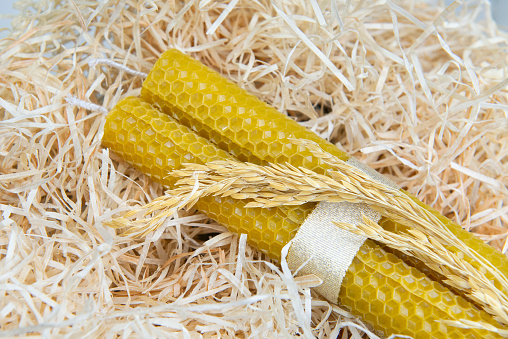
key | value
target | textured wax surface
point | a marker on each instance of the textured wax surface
(251, 130)
(401, 299)
(156, 144)
(230, 117)
(414, 262)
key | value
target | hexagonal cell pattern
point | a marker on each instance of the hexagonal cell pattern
(487, 251)
(422, 267)
(400, 299)
(251, 130)
(225, 114)
(378, 286)
(155, 144)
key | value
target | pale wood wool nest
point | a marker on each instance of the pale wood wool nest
(415, 90)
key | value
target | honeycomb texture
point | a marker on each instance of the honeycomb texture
(430, 273)
(474, 243)
(156, 144)
(251, 130)
(228, 116)
(400, 299)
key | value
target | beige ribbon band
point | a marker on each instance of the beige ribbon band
(322, 248)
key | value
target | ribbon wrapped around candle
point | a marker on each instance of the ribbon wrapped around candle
(378, 286)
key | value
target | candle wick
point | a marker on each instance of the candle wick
(94, 62)
(74, 101)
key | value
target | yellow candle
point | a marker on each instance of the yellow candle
(379, 287)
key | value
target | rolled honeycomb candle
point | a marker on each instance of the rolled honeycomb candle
(379, 287)
(237, 121)
(156, 144)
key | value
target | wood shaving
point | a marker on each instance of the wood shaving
(414, 89)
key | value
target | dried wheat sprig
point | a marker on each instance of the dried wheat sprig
(277, 185)
(157, 211)
(464, 323)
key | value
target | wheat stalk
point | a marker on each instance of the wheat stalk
(283, 184)
(464, 323)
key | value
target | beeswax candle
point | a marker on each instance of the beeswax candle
(379, 287)
(240, 123)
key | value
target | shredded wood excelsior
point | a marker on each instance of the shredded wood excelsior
(416, 90)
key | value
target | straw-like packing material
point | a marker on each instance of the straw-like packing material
(415, 90)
